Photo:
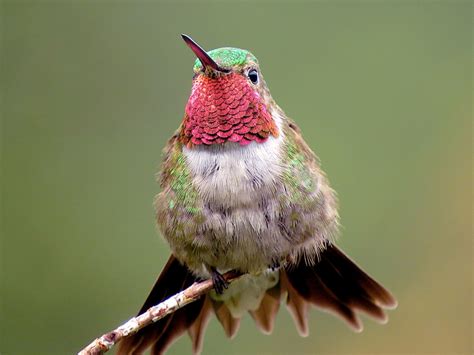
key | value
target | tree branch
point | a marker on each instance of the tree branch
(153, 314)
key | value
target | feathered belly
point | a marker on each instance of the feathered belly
(240, 189)
(233, 207)
(247, 238)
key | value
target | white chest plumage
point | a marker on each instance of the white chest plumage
(230, 175)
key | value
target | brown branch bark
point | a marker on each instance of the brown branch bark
(153, 314)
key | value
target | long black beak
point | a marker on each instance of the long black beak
(206, 61)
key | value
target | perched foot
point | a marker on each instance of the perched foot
(219, 282)
(275, 264)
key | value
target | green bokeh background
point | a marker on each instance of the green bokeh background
(92, 90)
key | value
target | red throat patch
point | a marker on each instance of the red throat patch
(226, 109)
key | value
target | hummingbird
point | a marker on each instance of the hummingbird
(241, 190)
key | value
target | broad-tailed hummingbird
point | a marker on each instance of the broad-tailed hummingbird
(241, 190)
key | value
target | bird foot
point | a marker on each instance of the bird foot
(275, 265)
(220, 283)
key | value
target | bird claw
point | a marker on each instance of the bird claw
(275, 265)
(220, 283)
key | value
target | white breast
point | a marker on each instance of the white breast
(229, 174)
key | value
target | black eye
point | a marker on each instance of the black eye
(253, 76)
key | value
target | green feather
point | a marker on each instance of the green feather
(228, 57)
(297, 176)
(181, 184)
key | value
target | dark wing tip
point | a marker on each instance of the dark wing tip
(337, 285)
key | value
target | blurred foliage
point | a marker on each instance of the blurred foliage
(92, 90)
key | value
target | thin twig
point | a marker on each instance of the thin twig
(153, 314)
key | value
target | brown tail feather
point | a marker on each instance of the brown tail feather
(296, 304)
(180, 321)
(352, 272)
(230, 324)
(173, 279)
(337, 284)
(265, 315)
(198, 328)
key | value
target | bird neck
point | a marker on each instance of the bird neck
(226, 109)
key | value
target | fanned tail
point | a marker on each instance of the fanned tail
(334, 283)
